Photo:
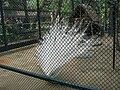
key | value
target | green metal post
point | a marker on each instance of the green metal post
(118, 26)
(47, 78)
(59, 8)
(38, 17)
(105, 18)
(3, 24)
(73, 6)
(113, 26)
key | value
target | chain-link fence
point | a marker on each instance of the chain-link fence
(73, 43)
(18, 22)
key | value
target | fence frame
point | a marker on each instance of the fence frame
(77, 86)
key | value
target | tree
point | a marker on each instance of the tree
(33, 4)
(101, 6)
(66, 7)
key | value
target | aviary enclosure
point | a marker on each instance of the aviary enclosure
(59, 45)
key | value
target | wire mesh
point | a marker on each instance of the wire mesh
(20, 21)
(79, 41)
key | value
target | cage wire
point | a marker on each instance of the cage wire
(73, 43)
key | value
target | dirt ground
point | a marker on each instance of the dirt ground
(94, 72)
(23, 58)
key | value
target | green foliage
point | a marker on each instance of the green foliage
(1, 29)
(66, 7)
(33, 4)
(54, 5)
(98, 5)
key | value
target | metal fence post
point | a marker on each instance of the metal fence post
(117, 35)
(105, 23)
(3, 24)
(72, 6)
(110, 18)
(38, 17)
(113, 26)
(59, 8)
